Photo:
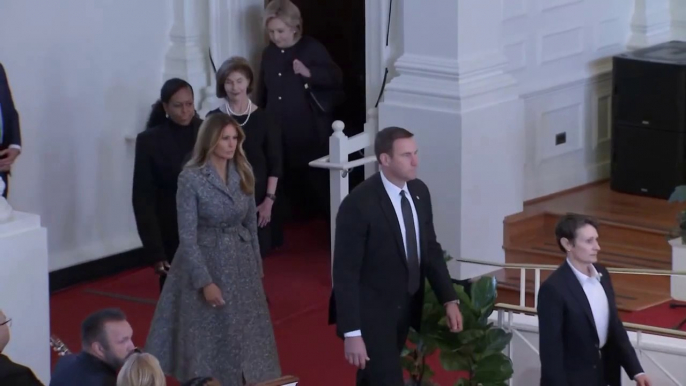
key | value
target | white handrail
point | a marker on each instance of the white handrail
(340, 148)
(345, 167)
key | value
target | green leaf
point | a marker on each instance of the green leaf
(406, 351)
(469, 336)
(679, 194)
(484, 295)
(462, 382)
(494, 341)
(492, 369)
(455, 361)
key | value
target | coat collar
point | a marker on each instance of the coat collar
(233, 180)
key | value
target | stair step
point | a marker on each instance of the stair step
(653, 290)
(647, 237)
(542, 251)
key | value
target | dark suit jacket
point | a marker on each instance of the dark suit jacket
(161, 152)
(15, 374)
(569, 346)
(10, 117)
(83, 369)
(370, 271)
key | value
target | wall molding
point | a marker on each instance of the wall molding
(93, 251)
(577, 34)
(97, 269)
(449, 84)
(603, 74)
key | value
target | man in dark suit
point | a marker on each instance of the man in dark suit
(13, 373)
(582, 340)
(106, 343)
(385, 247)
(10, 135)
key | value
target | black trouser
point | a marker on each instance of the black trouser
(3, 176)
(384, 339)
(302, 194)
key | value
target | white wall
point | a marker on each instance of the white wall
(84, 75)
(560, 52)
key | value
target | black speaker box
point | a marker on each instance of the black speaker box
(649, 120)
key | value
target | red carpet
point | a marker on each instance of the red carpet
(297, 281)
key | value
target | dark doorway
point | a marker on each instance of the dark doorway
(340, 26)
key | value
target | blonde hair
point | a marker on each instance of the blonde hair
(287, 12)
(208, 137)
(141, 369)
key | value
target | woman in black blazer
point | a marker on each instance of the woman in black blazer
(161, 151)
(262, 140)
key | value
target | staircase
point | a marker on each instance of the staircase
(633, 234)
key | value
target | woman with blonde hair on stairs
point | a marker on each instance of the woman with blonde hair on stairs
(212, 318)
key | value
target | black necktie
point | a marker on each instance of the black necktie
(411, 243)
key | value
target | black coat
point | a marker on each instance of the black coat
(161, 152)
(15, 374)
(82, 369)
(10, 117)
(569, 346)
(370, 275)
(305, 130)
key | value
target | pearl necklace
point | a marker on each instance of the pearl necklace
(247, 111)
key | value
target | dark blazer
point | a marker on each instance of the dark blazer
(10, 116)
(161, 152)
(15, 374)
(82, 369)
(305, 130)
(568, 338)
(370, 271)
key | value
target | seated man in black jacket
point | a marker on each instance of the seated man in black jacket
(106, 343)
(12, 373)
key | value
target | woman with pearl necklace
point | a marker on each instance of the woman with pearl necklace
(262, 144)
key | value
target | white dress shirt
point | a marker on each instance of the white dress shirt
(597, 298)
(394, 194)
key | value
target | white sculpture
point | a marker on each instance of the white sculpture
(5, 208)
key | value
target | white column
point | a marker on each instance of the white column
(678, 11)
(216, 25)
(234, 29)
(650, 23)
(187, 57)
(452, 92)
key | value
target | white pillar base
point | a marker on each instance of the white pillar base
(678, 283)
(24, 291)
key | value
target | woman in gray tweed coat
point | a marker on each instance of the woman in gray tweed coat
(212, 318)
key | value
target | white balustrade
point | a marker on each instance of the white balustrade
(340, 148)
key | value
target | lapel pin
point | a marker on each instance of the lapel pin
(417, 197)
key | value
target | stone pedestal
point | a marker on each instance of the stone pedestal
(24, 291)
(452, 91)
(678, 283)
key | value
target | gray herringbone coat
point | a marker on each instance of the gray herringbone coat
(218, 244)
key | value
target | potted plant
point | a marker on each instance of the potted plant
(476, 350)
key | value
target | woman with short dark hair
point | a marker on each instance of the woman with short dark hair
(262, 143)
(161, 150)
